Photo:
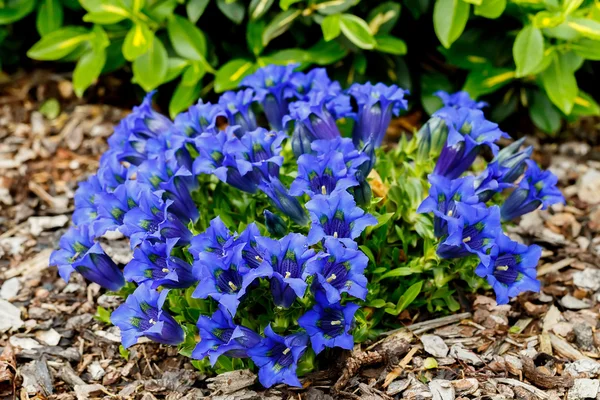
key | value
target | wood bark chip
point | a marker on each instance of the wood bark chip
(8, 367)
(542, 380)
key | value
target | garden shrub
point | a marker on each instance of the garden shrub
(268, 243)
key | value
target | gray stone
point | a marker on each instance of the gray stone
(96, 371)
(460, 353)
(573, 303)
(84, 392)
(79, 321)
(49, 337)
(584, 389)
(397, 387)
(10, 317)
(24, 343)
(584, 336)
(442, 389)
(589, 278)
(10, 288)
(232, 381)
(583, 366)
(435, 345)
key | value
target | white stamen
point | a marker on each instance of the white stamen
(502, 268)
(450, 213)
(467, 239)
(323, 190)
(165, 270)
(152, 321)
(232, 286)
(287, 350)
(258, 258)
(331, 277)
(334, 323)
(287, 274)
(335, 235)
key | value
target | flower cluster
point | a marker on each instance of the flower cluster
(463, 221)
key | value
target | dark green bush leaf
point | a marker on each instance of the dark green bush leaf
(488, 80)
(183, 97)
(449, 20)
(331, 27)
(284, 57)
(195, 9)
(390, 44)
(192, 74)
(328, 7)
(231, 73)
(150, 69)
(491, 9)
(560, 84)
(383, 18)
(258, 8)
(285, 4)
(544, 114)
(585, 105)
(14, 10)
(254, 32)
(187, 40)
(49, 17)
(325, 53)
(528, 50)
(406, 299)
(59, 43)
(175, 67)
(357, 31)
(104, 17)
(279, 25)
(234, 10)
(88, 69)
(137, 41)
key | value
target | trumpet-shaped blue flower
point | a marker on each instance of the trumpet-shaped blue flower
(315, 80)
(86, 209)
(353, 158)
(251, 253)
(238, 107)
(276, 226)
(376, 105)
(281, 198)
(337, 217)
(287, 258)
(199, 118)
(142, 314)
(216, 243)
(512, 268)
(474, 232)
(277, 358)
(313, 116)
(324, 175)
(111, 172)
(219, 335)
(512, 161)
(329, 325)
(459, 99)
(536, 189)
(78, 252)
(271, 85)
(257, 153)
(112, 207)
(153, 262)
(339, 270)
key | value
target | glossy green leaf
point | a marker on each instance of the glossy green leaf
(187, 40)
(88, 69)
(279, 25)
(50, 108)
(254, 31)
(175, 66)
(150, 69)
(114, 56)
(231, 73)
(103, 17)
(285, 4)
(59, 43)
(390, 44)
(544, 114)
(137, 41)
(137, 5)
(49, 17)
(357, 31)
(235, 10)
(488, 80)
(383, 18)
(14, 10)
(325, 53)
(586, 48)
(548, 19)
(183, 97)
(586, 27)
(449, 20)
(562, 31)
(161, 10)
(192, 74)
(528, 50)
(571, 5)
(585, 105)
(329, 7)
(491, 9)
(331, 27)
(560, 84)
(195, 9)
(258, 8)
(406, 299)
(284, 57)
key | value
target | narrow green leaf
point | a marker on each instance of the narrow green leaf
(383, 18)
(544, 114)
(103, 17)
(232, 9)
(325, 53)
(528, 50)
(406, 299)
(585, 105)
(279, 25)
(183, 97)
(175, 67)
(88, 69)
(49, 17)
(284, 57)
(357, 31)
(390, 44)
(137, 5)
(150, 69)
(329, 7)
(231, 73)
(449, 20)
(195, 9)
(14, 10)
(59, 43)
(488, 80)
(258, 8)
(586, 27)
(137, 41)
(254, 32)
(571, 5)
(560, 83)
(491, 9)
(192, 74)
(285, 4)
(586, 48)
(187, 40)
(331, 27)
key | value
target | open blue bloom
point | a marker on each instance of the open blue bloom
(287, 258)
(152, 220)
(459, 99)
(238, 107)
(78, 252)
(337, 217)
(376, 105)
(113, 206)
(86, 210)
(444, 195)
(281, 198)
(219, 335)
(257, 153)
(251, 253)
(474, 232)
(324, 174)
(339, 270)
(353, 158)
(199, 118)
(329, 325)
(111, 172)
(227, 283)
(277, 358)
(153, 262)
(142, 314)
(512, 269)
(315, 80)
(468, 131)
(271, 84)
(213, 245)
(313, 116)
(489, 182)
(536, 189)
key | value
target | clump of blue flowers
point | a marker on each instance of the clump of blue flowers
(253, 243)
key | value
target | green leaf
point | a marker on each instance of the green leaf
(50, 108)
(49, 17)
(279, 25)
(449, 20)
(124, 352)
(390, 44)
(195, 9)
(114, 56)
(491, 9)
(137, 5)
(258, 8)
(183, 97)
(137, 41)
(192, 74)
(488, 80)
(562, 31)
(88, 69)
(406, 299)
(14, 10)
(544, 114)
(103, 17)
(331, 27)
(232, 9)
(187, 40)
(231, 73)
(329, 7)
(528, 50)
(571, 5)
(547, 19)
(560, 84)
(586, 48)
(585, 105)
(102, 315)
(150, 69)
(175, 67)
(254, 31)
(586, 27)
(59, 43)
(284, 57)
(383, 18)
(325, 53)
(357, 31)
(285, 4)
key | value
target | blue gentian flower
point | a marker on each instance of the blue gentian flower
(251, 252)
(271, 84)
(219, 335)
(142, 314)
(512, 268)
(376, 105)
(238, 107)
(459, 99)
(353, 158)
(152, 220)
(490, 181)
(277, 358)
(287, 258)
(275, 224)
(444, 195)
(512, 161)
(111, 172)
(314, 81)
(324, 175)
(281, 198)
(313, 116)
(216, 243)
(536, 189)
(329, 325)
(199, 118)
(474, 232)
(431, 138)
(86, 209)
(112, 207)
(78, 252)
(170, 145)
(337, 217)
(153, 262)
(340, 270)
